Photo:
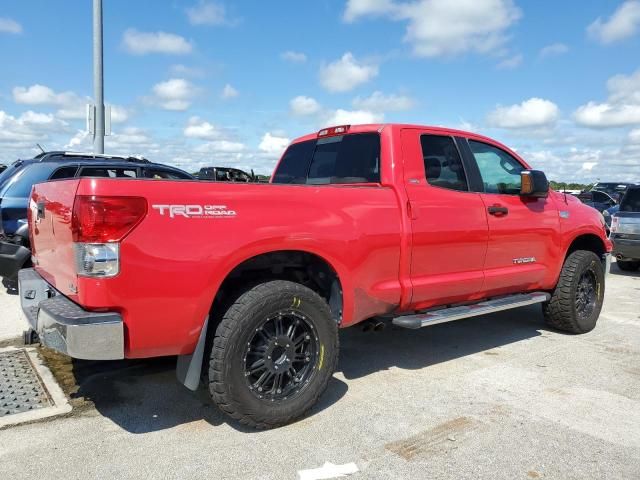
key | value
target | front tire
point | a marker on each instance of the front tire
(576, 302)
(273, 354)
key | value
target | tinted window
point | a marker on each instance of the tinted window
(295, 163)
(442, 163)
(333, 160)
(20, 185)
(631, 201)
(500, 171)
(64, 172)
(160, 174)
(108, 172)
(601, 197)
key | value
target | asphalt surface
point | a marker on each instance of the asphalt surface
(499, 396)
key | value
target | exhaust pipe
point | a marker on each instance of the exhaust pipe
(379, 326)
(619, 256)
(373, 326)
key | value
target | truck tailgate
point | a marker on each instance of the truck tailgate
(51, 208)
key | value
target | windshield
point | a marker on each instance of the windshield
(9, 172)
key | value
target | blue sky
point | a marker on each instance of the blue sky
(212, 82)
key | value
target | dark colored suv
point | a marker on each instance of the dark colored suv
(16, 182)
(625, 231)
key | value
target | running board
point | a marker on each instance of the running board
(458, 313)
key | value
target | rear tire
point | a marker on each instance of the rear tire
(628, 265)
(576, 302)
(273, 354)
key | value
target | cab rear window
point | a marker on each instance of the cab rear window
(353, 158)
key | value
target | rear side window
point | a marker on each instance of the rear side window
(160, 174)
(20, 185)
(64, 172)
(442, 163)
(500, 171)
(108, 172)
(333, 160)
(631, 201)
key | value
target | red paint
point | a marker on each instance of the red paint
(398, 246)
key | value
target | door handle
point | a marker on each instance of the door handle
(497, 210)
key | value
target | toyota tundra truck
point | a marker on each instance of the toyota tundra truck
(248, 284)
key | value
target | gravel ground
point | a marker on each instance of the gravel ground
(498, 396)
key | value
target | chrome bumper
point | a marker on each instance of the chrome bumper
(66, 327)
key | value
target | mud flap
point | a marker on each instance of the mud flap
(189, 367)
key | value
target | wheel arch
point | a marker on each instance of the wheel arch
(303, 266)
(587, 241)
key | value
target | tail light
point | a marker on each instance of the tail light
(98, 219)
(98, 224)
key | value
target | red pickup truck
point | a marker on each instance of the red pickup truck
(248, 284)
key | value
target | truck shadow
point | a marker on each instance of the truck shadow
(144, 396)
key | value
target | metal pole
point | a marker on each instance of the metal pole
(98, 81)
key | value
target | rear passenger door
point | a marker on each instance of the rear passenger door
(449, 231)
(524, 233)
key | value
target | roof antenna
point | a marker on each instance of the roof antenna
(40, 147)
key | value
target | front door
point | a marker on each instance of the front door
(448, 221)
(524, 233)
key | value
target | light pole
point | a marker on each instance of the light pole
(98, 81)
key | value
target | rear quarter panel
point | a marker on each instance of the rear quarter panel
(171, 268)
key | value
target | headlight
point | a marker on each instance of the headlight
(97, 259)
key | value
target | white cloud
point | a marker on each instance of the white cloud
(203, 130)
(622, 107)
(142, 43)
(379, 102)
(511, 62)
(174, 94)
(445, 28)
(535, 112)
(634, 136)
(42, 95)
(302, 106)
(346, 73)
(229, 92)
(71, 105)
(9, 25)
(553, 50)
(273, 145)
(28, 128)
(363, 8)
(623, 23)
(352, 117)
(207, 13)
(220, 146)
(293, 57)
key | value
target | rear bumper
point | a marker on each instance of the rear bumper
(66, 327)
(626, 249)
(12, 259)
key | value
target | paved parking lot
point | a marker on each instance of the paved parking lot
(493, 397)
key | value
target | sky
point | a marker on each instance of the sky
(197, 83)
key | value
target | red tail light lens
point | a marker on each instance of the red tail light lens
(100, 219)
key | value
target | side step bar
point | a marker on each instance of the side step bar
(420, 320)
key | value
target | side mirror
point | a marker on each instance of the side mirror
(534, 184)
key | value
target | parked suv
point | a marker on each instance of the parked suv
(625, 231)
(597, 199)
(18, 179)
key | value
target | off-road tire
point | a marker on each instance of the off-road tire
(629, 265)
(228, 384)
(560, 311)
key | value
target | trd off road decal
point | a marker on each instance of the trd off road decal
(195, 211)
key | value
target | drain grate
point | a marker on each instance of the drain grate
(20, 387)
